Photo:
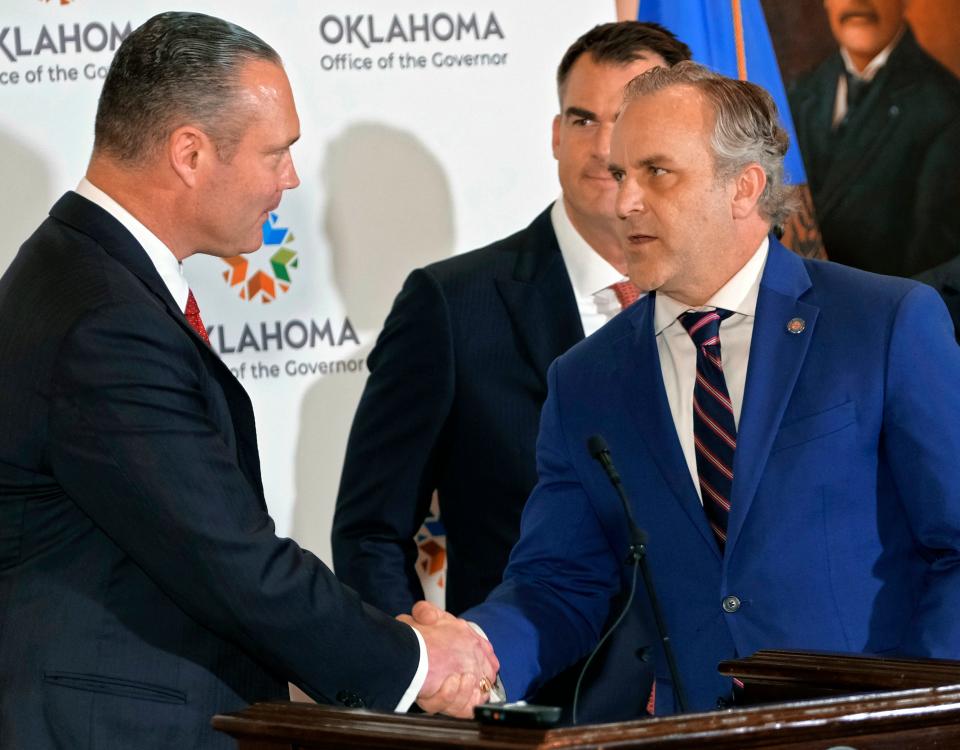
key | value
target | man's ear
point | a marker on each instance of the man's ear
(555, 138)
(748, 187)
(188, 149)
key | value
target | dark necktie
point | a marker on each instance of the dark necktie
(714, 429)
(193, 318)
(857, 89)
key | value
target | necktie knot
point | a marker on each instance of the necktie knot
(627, 293)
(704, 327)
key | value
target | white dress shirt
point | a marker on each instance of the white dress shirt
(678, 353)
(590, 275)
(171, 272)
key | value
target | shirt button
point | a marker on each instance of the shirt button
(731, 604)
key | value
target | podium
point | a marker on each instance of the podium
(894, 713)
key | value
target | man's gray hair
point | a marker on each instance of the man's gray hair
(176, 69)
(746, 128)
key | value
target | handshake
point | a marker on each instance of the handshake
(462, 666)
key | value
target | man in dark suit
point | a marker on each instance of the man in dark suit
(879, 129)
(142, 586)
(791, 463)
(457, 378)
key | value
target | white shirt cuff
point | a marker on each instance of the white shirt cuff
(418, 679)
(498, 693)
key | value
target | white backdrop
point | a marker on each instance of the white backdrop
(425, 132)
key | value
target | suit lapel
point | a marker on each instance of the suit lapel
(776, 357)
(640, 381)
(116, 241)
(539, 298)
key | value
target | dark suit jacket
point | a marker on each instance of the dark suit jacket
(142, 587)
(452, 405)
(886, 187)
(844, 531)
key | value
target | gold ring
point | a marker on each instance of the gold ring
(484, 685)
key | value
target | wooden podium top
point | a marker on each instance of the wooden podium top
(919, 718)
(781, 675)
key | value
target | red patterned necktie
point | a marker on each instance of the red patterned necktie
(627, 293)
(714, 428)
(193, 318)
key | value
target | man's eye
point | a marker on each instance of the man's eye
(617, 175)
(582, 122)
(657, 171)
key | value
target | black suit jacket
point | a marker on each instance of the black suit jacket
(886, 186)
(142, 587)
(452, 405)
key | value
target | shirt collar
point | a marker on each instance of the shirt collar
(738, 295)
(162, 257)
(873, 67)
(589, 273)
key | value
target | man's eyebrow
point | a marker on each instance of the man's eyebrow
(580, 112)
(613, 167)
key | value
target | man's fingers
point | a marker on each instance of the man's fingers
(458, 703)
(444, 697)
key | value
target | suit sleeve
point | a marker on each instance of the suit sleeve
(389, 474)
(135, 440)
(921, 445)
(563, 573)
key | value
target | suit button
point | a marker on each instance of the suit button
(731, 604)
(350, 699)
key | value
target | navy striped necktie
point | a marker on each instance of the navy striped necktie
(714, 428)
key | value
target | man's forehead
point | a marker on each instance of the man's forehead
(649, 123)
(680, 101)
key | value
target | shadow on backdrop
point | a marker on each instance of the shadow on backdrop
(388, 210)
(25, 194)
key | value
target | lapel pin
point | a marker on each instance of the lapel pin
(796, 325)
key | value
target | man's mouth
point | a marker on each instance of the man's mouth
(638, 238)
(867, 16)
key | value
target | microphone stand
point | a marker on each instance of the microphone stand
(636, 555)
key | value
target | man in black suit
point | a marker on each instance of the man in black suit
(142, 586)
(458, 375)
(879, 128)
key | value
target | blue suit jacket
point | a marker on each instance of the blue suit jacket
(845, 529)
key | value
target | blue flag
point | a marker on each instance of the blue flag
(731, 37)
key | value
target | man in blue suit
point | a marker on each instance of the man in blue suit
(785, 428)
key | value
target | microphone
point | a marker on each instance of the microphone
(600, 452)
(637, 556)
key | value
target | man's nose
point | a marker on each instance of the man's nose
(629, 198)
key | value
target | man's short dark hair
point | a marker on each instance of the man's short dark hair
(175, 69)
(622, 42)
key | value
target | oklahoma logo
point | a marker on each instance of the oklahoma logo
(262, 284)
